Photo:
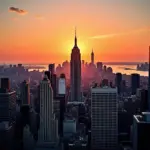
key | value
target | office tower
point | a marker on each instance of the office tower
(75, 72)
(143, 100)
(54, 84)
(7, 105)
(92, 57)
(25, 92)
(149, 82)
(62, 97)
(5, 83)
(119, 82)
(104, 118)
(48, 132)
(135, 82)
(99, 66)
(52, 68)
(48, 74)
(141, 131)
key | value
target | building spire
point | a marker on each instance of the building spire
(75, 41)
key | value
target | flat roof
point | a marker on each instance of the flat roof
(104, 90)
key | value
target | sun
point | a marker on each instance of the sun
(81, 45)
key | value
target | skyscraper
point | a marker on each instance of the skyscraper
(5, 83)
(135, 82)
(48, 133)
(99, 66)
(141, 131)
(92, 57)
(62, 96)
(7, 105)
(25, 92)
(75, 73)
(48, 74)
(52, 68)
(118, 82)
(104, 122)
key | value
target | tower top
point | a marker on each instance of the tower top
(75, 41)
(92, 51)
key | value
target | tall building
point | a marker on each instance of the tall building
(119, 82)
(48, 132)
(92, 57)
(62, 97)
(99, 66)
(25, 92)
(75, 73)
(7, 105)
(54, 84)
(48, 74)
(104, 118)
(135, 82)
(141, 131)
(52, 68)
(5, 83)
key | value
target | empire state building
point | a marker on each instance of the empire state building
(75, 72)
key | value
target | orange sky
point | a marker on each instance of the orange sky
(43, 31)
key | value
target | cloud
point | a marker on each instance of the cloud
(17, 10)
(104, 36)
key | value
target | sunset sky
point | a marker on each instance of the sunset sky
(42, 31)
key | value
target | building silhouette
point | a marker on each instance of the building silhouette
(75, 72)
(48, 74)
(7, 102)
(104, 118)
(52, 68)
(100, 66)
(119, 82)
(5, 83)
(135, 82)
(25, 92)
(48, 132)
(141, 131)
(92, 57)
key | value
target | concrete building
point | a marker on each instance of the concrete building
(25, 92)
(7, 105)
(119, 82)
(104, 118)
(75, 73)
(48, 132)
(141, 131)
(135, 82)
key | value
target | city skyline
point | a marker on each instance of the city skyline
(35, 31)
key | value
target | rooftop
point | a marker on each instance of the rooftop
(143, 118)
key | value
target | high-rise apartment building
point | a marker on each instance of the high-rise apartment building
(48, 132)
(25, 92)
(75, 73)
(104, 118)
